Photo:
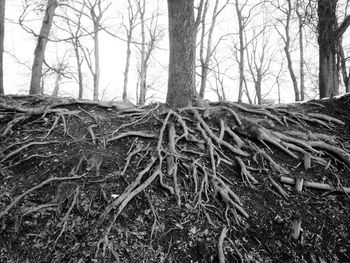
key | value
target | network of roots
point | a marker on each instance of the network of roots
(184, 152)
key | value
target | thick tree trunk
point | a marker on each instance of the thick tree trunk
(39, 53)
(2, 36)
(328, 75)
(182, 47)
(327, 39)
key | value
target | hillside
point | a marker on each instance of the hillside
(105, 182)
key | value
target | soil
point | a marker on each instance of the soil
(80, 182)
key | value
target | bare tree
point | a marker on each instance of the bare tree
(150, 36)
(61, 71)
(219, 78)
(205, 58)
(182, 47)
(129, 29)
(39, 53)
(141, 5)
(96, 11)
(76, 32)
(244, 17)
(2, 36)
(300, 16)
(287, 10)
(259, 60)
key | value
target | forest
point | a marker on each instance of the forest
(256, 52)
(174, 131)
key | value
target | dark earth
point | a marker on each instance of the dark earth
(106, 182)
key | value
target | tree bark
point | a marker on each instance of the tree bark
(39, 53)
(182, 47)
(328, 72)
(2, 37)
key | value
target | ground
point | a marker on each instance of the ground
(226, 182)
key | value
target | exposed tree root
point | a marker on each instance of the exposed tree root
(132, 133)
(319, 186)
(92, 133)
(190, 152)
(222, 237)
(64, 221)
(279, 188)
(25, 114)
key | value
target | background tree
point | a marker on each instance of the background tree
(129, 30)
(182, 53)
(244, 14)
(76, 33)
(287, 10)
(61, 70)
(219, 75)
(151, 34)
(39, 53)
(2, 36)
(299, 7)
(206, 50)
(259, 58)
(96, 10)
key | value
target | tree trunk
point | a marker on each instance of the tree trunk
(57, 84)
(2, 36)
(96, 75)
(79, 62)
(241, 51)
(142, 98)
(258, 87)
(39, 53)
(182, 47)
(127, 66)
(301, 54)
(328, 72)
(287, 51)
(204, 70)
(343, 65)
(291, 73)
